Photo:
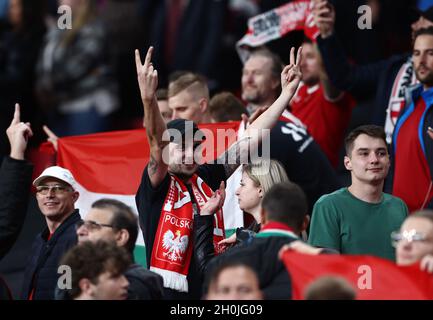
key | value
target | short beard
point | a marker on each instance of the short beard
(254, 99)
(427, 80)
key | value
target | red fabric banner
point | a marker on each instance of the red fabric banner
(372, 278)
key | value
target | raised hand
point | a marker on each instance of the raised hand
(291, 75)
(215, 202)
(324, 17)
(52, 137)
(18, 134)
(147, 75)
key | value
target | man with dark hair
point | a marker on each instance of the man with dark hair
(114, 221)
(360, 218)
(174, 187)
(117, 215)
(387, 80)
(284, 217)
(233, 280)
(284, 199)
(412, 149)
(97, 271)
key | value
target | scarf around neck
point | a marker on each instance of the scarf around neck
(173, 246)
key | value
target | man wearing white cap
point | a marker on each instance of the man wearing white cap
(56, 196)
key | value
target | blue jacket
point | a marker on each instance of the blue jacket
(412, 94)
(41, 271)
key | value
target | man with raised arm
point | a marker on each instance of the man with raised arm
(15, 180)
(174, 188)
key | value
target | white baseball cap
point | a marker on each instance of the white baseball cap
(56, 172)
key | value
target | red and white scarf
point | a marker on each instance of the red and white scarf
(173, 246)
(404, 79)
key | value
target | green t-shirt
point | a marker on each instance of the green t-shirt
(345, 223)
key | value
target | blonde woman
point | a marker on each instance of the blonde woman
(257, 179)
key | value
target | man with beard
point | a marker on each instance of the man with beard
(325, 110)
(174, 188)
(261, 79)
(302, 158)
(386, 79)
(360, 218)
(412, 149)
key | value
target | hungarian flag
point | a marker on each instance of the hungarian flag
(110, 165)
(372, 278)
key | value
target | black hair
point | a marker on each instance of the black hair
(285, 202)
(123, 218)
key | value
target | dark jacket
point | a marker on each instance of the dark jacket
(41, 271)
(203, 242)
(362, 81)
(259, 253)
(144, 284)
(262, 256)
(15, 181)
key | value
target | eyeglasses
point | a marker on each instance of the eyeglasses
(409, 236)
(57, 189)
(91, 225)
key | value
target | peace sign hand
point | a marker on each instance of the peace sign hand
(147, 75)
(292, 75)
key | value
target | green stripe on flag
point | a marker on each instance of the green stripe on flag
(140, 255)
(229, 232)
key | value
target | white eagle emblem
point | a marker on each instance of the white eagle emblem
(175, 246)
